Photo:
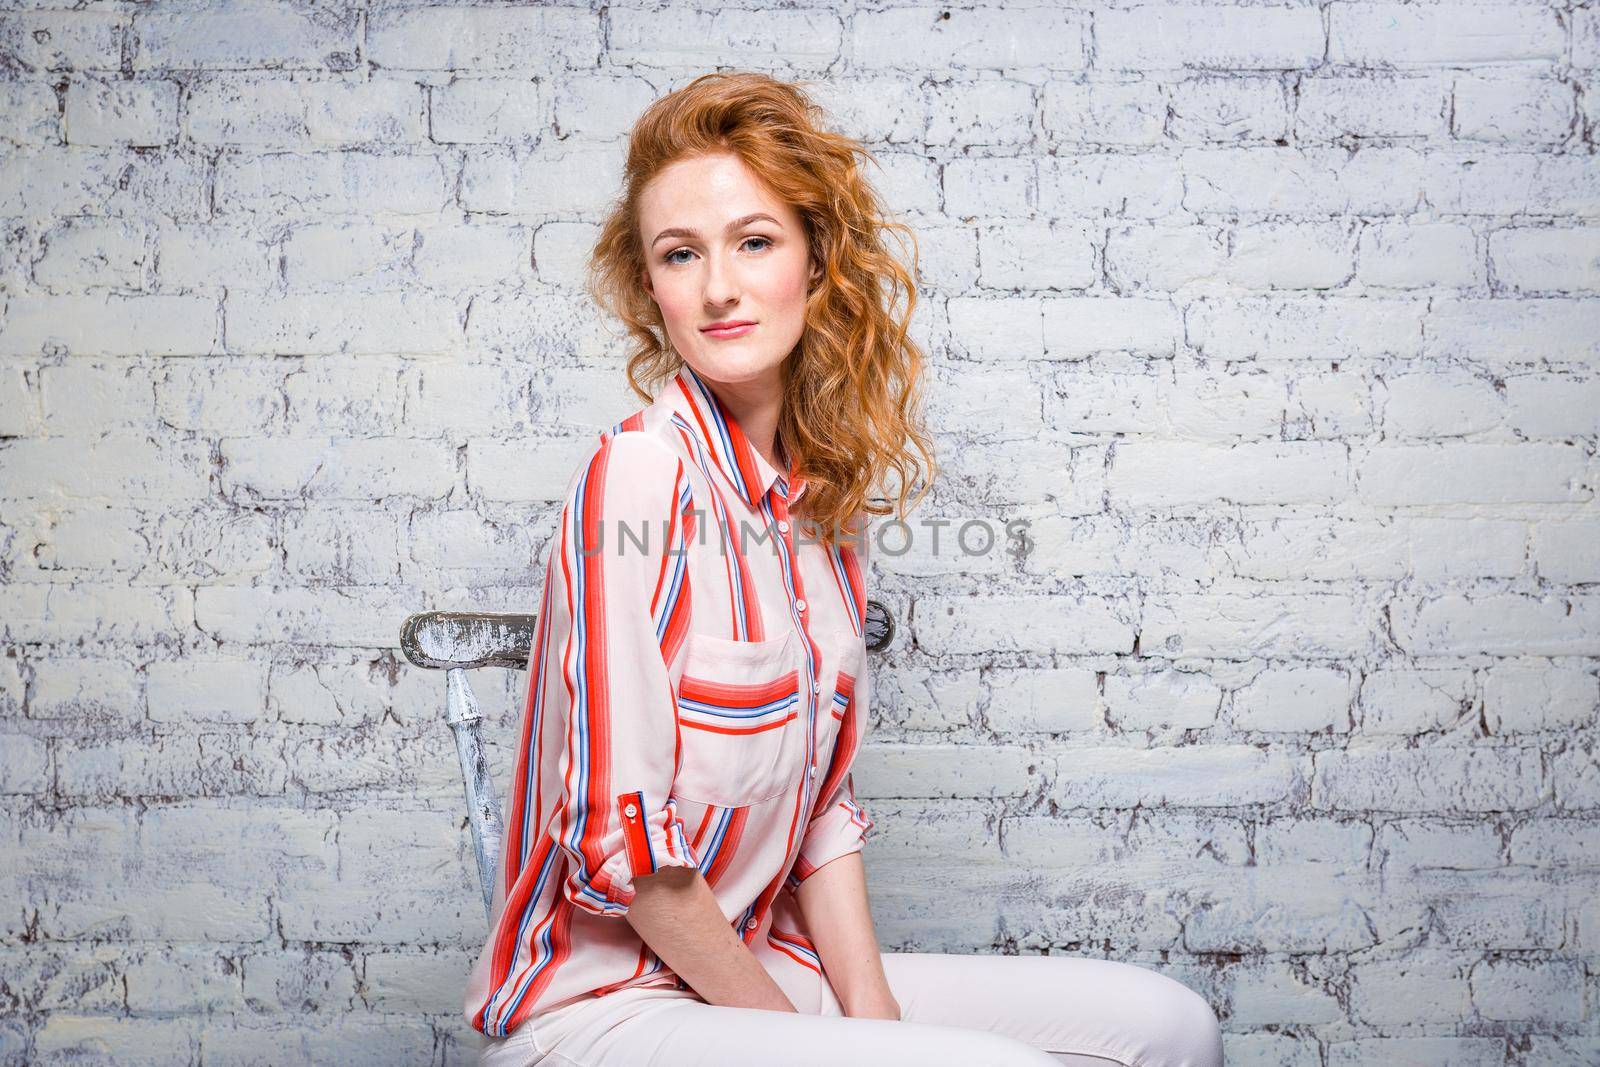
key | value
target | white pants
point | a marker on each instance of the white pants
(966, 1010)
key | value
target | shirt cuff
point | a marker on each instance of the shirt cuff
(838, 831)
(642, 842)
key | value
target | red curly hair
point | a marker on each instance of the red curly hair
(854, 345)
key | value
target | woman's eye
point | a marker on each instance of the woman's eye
(766, 242)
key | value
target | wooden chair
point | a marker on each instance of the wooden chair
(457, 642)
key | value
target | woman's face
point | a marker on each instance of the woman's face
(720, 249)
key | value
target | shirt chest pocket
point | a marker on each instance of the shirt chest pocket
(741, 720)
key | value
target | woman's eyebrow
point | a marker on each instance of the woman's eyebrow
(740, 223)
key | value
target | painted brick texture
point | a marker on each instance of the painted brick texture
(1279, 325)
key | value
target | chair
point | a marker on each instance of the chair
(456, 642)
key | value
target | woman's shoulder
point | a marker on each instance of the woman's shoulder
(632, 455)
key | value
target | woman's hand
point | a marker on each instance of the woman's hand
(880, 1004)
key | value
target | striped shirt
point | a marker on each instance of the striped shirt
(697, 693)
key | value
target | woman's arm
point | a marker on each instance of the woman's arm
(676, 913)
(833, 900)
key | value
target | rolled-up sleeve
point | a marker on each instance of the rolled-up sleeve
(838, 828)
(621, 614)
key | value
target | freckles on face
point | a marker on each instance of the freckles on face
(719, 247)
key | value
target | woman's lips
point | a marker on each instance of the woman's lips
(731, 331)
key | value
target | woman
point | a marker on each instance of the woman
(681, 881)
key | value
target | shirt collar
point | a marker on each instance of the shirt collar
(690, 398)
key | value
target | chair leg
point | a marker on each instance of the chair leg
(483, 809)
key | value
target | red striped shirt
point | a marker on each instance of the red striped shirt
(696, 696)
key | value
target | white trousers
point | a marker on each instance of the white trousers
(966, 1010)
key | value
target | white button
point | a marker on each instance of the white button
(800, 604)
(630, 811)
(752, 924)
(783, 526)
(816, 687)
(813, 770)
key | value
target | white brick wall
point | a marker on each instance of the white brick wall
(1279, 323)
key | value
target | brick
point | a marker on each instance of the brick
(63, 40)
(1373, 779)
(294, 185)
(482, 39)
(376, 324)
(1514, 331)
(1330, 329)
(1306, 700)
(970, 39)
(1103, 113)
(1512, 110)
(1169, 550)
(206, 691)
(1422, 988)
(1409, 475)
(1217, 38)
(1043, 701)
(1267, 990)
(1146, 475)
(1075, 328)
(800, 40)
(975, 626)
(1415, 255)
(248, 35)
(1297, 909)
(1211, 775)
(1404, 702)
(1502, 624)
(1161, 700)
(1371, 103)
(67, 1036)
(308, 980)
(93, 611)
(1449, 404)
(1417, 1051)
(1546, 993)
(1122, 185)
(1541, 405)
(1538, 697)
(1265, 624)
(488, 111)
(1449, 34)
(24, 765)
(1272, 180)
(248, 1039)
(1007, 253)
(943, 770)
(1412, 845)
(322, 468)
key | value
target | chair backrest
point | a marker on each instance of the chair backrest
(457, 642)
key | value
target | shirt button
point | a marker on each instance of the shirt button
(800, 605)
(630, 811)
(783, 526)
(752, 924)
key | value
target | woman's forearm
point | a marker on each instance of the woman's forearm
(833, 900)
(677, 915)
